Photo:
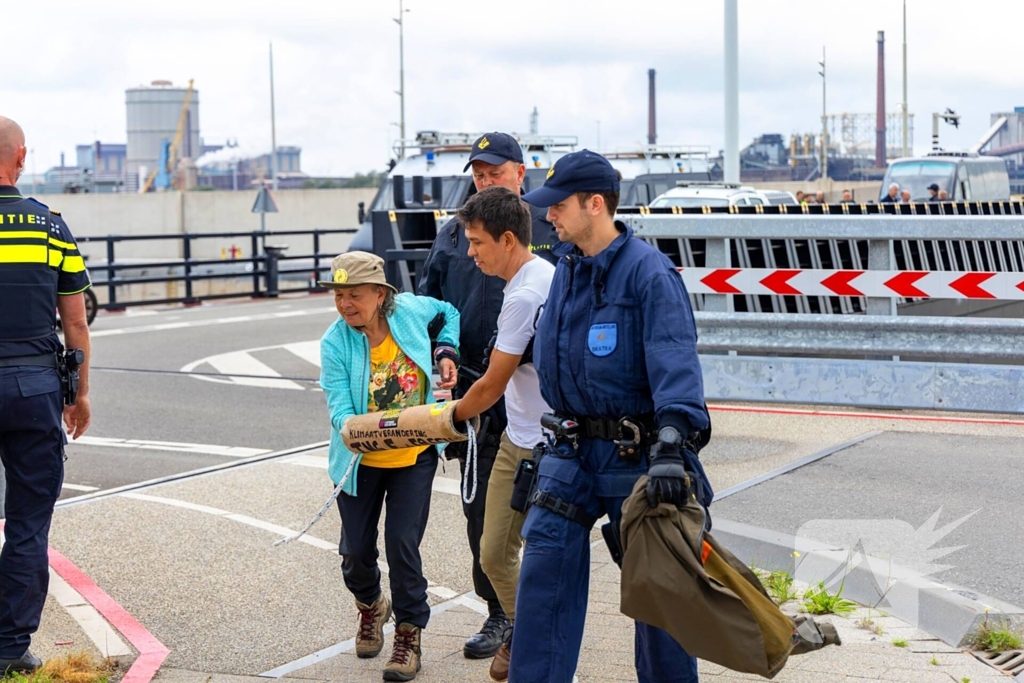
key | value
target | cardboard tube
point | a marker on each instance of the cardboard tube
(425, 425)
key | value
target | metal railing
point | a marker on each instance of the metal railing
(871, 360)
(266, 266)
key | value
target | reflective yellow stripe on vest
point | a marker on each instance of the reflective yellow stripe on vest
(38, 253)
(72, 264)
(25, 234)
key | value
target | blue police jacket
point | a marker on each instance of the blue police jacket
(39, 260)
(617, 337)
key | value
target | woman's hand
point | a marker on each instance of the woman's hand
(449, 373)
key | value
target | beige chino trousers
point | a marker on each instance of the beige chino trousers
(502, 538)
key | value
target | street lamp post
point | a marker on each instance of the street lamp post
(905, 126)
(824, 126)
(273, 123)
(731, 154)
(401, 73)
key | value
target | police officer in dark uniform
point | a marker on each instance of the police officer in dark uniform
(41, 270)
(451, 275)
(616, 353)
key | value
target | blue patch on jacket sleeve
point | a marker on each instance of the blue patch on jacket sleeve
(603, 338)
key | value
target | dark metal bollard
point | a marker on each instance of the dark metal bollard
(274, 252)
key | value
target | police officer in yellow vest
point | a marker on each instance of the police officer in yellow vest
(41, 270)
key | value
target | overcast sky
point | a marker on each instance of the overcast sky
(473, 66)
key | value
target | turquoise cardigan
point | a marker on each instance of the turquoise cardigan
(345, 368)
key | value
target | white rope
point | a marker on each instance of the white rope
(326, 506)
(469, 496)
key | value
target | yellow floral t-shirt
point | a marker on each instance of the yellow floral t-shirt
(395, 382)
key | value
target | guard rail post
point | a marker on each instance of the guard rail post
(111, 285)
(880, 257)
(273, 252)
(255, 250)
(717, 255)
(187, 254)
(316, 261)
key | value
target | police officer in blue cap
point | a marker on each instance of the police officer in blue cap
(451, 274)
(616, 352)
(41, 270)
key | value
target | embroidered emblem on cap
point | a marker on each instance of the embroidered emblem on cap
(551, 171)
(483, 144)
(340, 276)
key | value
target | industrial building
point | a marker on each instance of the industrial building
(163, 123)
(154, 114)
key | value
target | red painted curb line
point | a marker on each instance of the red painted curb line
(151, 651)
(868, 416)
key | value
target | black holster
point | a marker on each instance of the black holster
(68, 362)
(524, 484)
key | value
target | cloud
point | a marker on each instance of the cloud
(474, 67)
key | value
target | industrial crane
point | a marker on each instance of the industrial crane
(169, 154)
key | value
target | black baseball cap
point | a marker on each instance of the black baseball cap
(582, 171)
(933, 186)
(495, 149)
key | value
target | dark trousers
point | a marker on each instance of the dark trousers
(475, 522)
(551, 605)
(406, 490)
(32, 448)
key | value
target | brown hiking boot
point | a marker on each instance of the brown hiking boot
(405, 659)
(370, 637)
(499, 665)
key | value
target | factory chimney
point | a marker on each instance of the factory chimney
(880, 105)
(652, 126)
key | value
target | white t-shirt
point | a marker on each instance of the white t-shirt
(525, 293)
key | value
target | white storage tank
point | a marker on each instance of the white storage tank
(152, 114)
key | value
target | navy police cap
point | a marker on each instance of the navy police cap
(495, 149)
(582, 171)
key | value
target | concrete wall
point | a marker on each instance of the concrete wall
(172, 213)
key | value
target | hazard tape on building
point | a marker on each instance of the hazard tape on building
(910, 284)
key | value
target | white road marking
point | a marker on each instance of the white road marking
(197, 448)
(78, 487)
(243, 363)
(308, 351)
(215, 321)
(101, 633)
(139, 313)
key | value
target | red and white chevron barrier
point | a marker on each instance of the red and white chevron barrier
(911, 284)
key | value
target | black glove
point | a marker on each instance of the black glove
(667, 471)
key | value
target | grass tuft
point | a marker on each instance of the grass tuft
(818, 600)
(900, 642)
(74, 667)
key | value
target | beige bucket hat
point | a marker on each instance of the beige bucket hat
(357, 268)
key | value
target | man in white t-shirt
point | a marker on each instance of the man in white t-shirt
(497, 225)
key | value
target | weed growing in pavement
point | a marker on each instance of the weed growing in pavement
(869, 624)
(899, 642)
(817, 600)
(780, 586)
(935, 661)
(995, 639)
(76, 667)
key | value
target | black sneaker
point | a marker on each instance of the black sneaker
(27, 663)
(487, 642)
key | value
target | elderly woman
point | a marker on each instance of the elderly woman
(377, 357)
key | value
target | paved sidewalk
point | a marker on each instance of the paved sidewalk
(608, 652)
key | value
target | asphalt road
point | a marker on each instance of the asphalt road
(950, 506)
(151, 419)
